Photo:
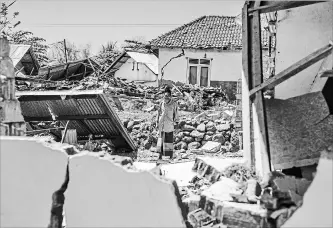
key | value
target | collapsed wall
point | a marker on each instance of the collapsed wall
(100, 193)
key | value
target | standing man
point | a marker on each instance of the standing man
(167, 122)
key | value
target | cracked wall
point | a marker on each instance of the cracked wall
(100, 193)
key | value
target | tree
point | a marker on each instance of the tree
(135, 44)
(7, 27)
(57, 52)
(86, 51)
(108, 54)
(6, 24)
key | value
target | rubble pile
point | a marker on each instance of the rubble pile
(198, 97)
(210, 132)
(233, 197)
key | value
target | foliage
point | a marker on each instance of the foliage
(7, 27)
(108, 54)
(6, 24)
(38, 44)
(57, 52)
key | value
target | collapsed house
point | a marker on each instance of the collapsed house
(24, 60)
(136, 66)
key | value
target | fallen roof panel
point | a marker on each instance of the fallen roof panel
(89, 112)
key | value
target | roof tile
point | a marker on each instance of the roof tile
(204, 33)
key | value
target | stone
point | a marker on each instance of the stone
(210, 126)
(181, 145)
(219, 138)
(197, 134)
(186, 133)
(90, 185)
(223, 127)
(176, 140)
(197, 139)
(189, 122)
(201, 127)
(210, 133)
(224, 149)
(194, 123)
(180, 135)
(125, 123)
(147, 144)
(214, 116)
(208, 138)
(136, 127)
(211, 147)
(194, 145)
(188, 128)
(182, 123)
(31, 173)
(222, 189)
(203, 142)
(253, 190)
(130, 125)
(188, 139)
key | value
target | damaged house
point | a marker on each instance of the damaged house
(204, 52)
(24, 60)
(138, 67)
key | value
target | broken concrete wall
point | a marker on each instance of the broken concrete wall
(316, 210)
(301, 31)
(100, 193)
(30, 174)
(298, 129)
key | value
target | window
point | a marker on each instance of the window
(199, 72)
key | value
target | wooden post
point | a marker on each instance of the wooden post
(11, 118)
(64, 132)
(261, 146)
(246, 86)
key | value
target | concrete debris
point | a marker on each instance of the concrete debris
(317, 207)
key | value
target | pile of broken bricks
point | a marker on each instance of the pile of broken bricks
(216, 198)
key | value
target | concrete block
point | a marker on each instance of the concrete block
(237, 215)
(30, 173)
(211, 147)
(316, 210)
(103, 194)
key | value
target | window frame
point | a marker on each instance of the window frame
(199, 66)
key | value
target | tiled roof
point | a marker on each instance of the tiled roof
(204, 33)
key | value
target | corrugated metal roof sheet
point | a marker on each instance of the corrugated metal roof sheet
(150, 60)
(89, 112)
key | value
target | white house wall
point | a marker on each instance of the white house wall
(226, 65)
(143, 74)
(300, 32)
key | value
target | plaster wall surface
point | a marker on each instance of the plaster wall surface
(301, 31)
(225, 65)
(102, 194)
(30, 173)
(126, 71)
(298, 129)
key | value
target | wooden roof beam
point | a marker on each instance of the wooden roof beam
(271, 6)
(294, 69)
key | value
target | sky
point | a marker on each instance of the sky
(96, 22)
